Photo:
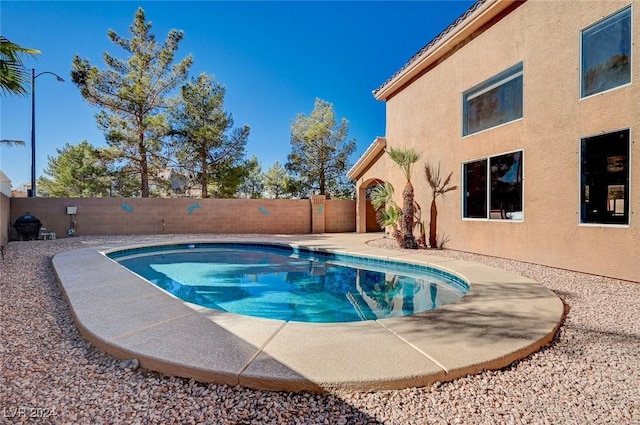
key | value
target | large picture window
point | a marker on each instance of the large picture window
(493, 102)
(606, 54)
(495, 182)
(604, 169)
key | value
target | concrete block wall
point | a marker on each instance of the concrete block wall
(318, 213)
(103, 216)
(340, 216)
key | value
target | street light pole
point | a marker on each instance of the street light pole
(33, 125)
(32, 194)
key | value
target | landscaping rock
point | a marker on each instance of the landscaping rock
(50, 374)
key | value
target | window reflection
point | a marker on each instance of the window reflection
(497, 106)
(503, 191)
(475, 187)
(606, 54)
(494, 102)
(604, 173)
(506, 186)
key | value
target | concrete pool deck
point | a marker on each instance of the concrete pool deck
(503, 318)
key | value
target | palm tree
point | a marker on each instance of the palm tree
(438, 187)
(13, 74)
(406, 158)
(10, 143)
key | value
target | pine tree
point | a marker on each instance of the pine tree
(319, 155)
(276, 181)
(203, 138)
(76, 172)
(131, 95)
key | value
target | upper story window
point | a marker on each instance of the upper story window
(606, 54)
(493, 102)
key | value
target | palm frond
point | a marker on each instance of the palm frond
(429, 176)
(432, 175)
(447, 189)
(405, 158)
(381, 195)
(13, 74)
(10, 143)
(389, 216)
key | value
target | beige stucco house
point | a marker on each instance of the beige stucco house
(535, 108)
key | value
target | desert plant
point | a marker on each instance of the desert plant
(442, 241)
(438, 187)
(418, 225)
(405, 158)
(387, 212)
(382, 195)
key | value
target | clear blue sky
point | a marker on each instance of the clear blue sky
(274, 58)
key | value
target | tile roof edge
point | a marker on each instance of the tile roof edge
(462, 18)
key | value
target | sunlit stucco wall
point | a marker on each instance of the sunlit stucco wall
(427, 115)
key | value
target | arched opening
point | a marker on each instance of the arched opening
(365, 214)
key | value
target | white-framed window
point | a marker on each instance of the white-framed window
(492, 187)
(606, 54)
(604, 178)
(493, 102)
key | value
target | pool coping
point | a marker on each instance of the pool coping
(503, 318)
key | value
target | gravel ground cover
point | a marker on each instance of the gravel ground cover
(590, 374)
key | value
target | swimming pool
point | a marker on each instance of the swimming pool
(503, 318)
(292, 284)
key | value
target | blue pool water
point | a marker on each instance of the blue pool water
(281, 282)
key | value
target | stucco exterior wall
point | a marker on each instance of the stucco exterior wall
(100, 216)
(427, 115)
(4, 218)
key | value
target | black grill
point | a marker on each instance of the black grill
(28, 227)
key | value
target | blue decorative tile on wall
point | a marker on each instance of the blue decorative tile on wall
(263, 211)
(320, 209)
(193, 207)
(128, 208)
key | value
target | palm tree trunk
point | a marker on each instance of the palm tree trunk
(406, 227)
(433, 242)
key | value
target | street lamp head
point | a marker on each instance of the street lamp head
(34, 75)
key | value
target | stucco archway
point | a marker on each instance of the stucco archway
(365, 214)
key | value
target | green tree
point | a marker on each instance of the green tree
(132, 94)
(252, 185)
(227, 178)
(124, 176)
(13, 75)
(405, 158)
(319, 149)
(388, 212)
(276, 181)
(76, 172)
(438, 188)
(204, 141)
(342, 188)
